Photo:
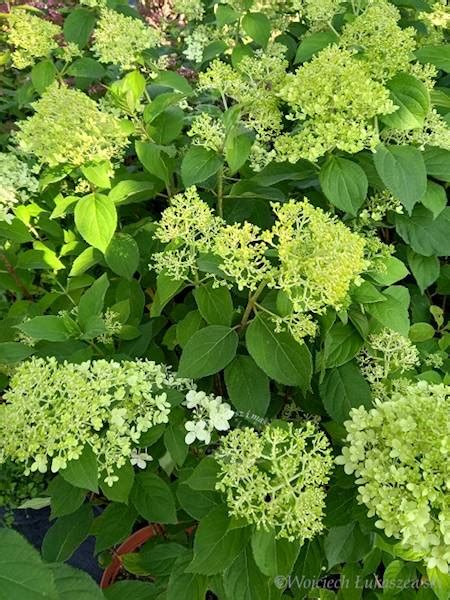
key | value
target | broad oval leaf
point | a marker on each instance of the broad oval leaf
(402, 170)
(278, 354)
(96, 220)
(208, 351)
(153, 498)
(198, 165)
(413, 101)
(344, 183)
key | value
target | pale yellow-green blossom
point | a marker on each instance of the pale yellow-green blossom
(208, 131)
(335, 101)
(275, 479)
(319, 257)
(120, 39)
(31, 37)
(193, 10)
(382, 45)
(68, 128)
(434, 132)
(399, 452)
(52, 411)
(17, 184)
(386, 358)
(318, 14)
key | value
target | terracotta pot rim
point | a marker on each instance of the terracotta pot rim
(133, 542)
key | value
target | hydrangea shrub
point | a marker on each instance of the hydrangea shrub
(224, 233)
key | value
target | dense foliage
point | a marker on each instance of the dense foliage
(223, 283)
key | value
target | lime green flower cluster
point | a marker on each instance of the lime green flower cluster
(94, 3)
(434, 132)
(275, 479)
(31, 37)
(52, 411)
(336, 101)
(197, 40)
(69, 128)
(318, 13)
(384, 47)
(314, 258)
(387, 357)
(377, 207)
(208, 131)
(400, 454)
(319, 257)
(254, 84)
(120, 40)
(17, 184)
(193, 10)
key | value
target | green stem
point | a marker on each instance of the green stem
(220, 192)
(12, 271)
(251, 304)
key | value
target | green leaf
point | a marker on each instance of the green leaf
(440, 583)
(439, 56)
(174, 81)
(113, 526)
(344, 183)
(204, 476)
(87, 259)
(425, 269)
(87, 67)
(248, 387)
(183, 584)
(23, 576)
(393, 270)
(129, 191)
(159, 104)
(48, 327)
(393, 312)
(196, 503)
(421, 332)
(83, 472)
(413, 101)
(280, 356)
(199, 164)
(42, 75)
(425, 235)
(342, 389)
(257, 26)
(437, 163)
(153, 498)
(67, 534)
(92, 301)
(13, 352)
(435, 199)
(402, 170)
(159, 559)
(98, 174)
(314, 43)
(339, 544)
(120, 490)
(166, 289)
(216, 545)
(274, 557)
(342, 343)
(96, 220)
(215, 304)
(243, 580)
(225, 15)
(73, 584)
(208, 351)
(122, 255)
(65, 498)
(213, 49)
(79, 25)
(237, 150)
(150, 156)
(174, 441)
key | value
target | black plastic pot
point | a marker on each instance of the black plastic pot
(34, 524)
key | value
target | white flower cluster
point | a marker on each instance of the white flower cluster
(209, 413)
